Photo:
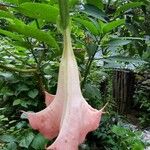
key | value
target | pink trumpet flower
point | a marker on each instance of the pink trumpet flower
(67, 116)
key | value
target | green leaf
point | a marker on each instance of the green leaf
(39, 142)
(6, 14)
(72, 3)
(22, 102)
(95, 12)
(88, 25)
(118, 42)
(16, 2)
(100, 26)
(123, 59)
(128, 38)
(17, 102)
(138, 146)
(7, 138)
(92, 91)
(24, 115)
(112, 25)
(22, 87)
(26, 140)
(2, 109)
(12, 146)
(12, 35)
(6, 75)
(3, 118)
(33, 93)
(39, 11)
(23, 1)
(96, 3)
(120, 131)
(21, 44)
(11, 1)
(128, 6)
(6, 91)
(21, 124)
(30, 31)
(91, 49)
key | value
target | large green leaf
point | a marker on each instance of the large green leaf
(23, 1)
(6, 14)
(128, 6)
(39, 11)
(7, 138)
(88, 25)
(112, 25)
(12, 146)
(97, 3)
(138, 145)
(31, 31)
(26, 140)
(118, 42)
(72, 3)
(39, 142)
(11, 35)
(95, 12)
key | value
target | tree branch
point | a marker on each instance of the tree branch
(11, 69)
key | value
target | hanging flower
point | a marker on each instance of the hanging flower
(67, 116)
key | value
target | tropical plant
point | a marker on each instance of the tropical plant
(105, 34)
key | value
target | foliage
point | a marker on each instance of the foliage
(141, 96)
(18, 93)
(114, 135)
(128, 139)
(106, 34)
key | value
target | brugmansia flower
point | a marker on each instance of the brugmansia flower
(67, 115)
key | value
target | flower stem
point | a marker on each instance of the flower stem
(64, 13)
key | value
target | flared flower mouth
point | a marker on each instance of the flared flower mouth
(67, 116)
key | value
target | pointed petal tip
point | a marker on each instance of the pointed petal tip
(22, 111)
(102, 109)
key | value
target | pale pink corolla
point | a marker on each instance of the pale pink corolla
(67, 116)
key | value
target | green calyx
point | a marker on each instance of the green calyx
(64, 13)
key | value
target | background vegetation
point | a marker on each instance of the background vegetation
(108, 35)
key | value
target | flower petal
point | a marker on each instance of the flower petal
(48, 120)
(48, 98)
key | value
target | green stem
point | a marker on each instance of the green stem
(39, 75)
(88, 64)
(37, 23)
(41, 78)
(64, 13)
(11, 69)
(88, 67)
